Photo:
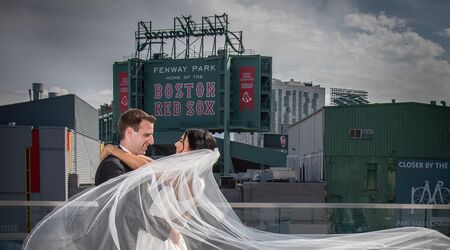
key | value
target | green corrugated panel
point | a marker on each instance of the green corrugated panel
(402, 129)
(347, 179)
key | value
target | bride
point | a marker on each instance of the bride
(181, 190)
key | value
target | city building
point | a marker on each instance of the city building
(341, 96)
(60, 111)
(376, 153)
(50, 151)
(291, 102)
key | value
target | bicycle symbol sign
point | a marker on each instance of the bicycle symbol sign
(423, 195)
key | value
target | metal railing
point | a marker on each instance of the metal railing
(19, 203)
(274, 216)
(338, 205)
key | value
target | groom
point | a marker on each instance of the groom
(136, 134)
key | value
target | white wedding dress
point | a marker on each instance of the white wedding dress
(147, 241)
(138, 209)
(166, 202)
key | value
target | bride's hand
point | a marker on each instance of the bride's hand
(146, 158)
(106, 151)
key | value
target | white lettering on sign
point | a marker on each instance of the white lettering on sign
(183, 69)
(443, 165)
(412, 223)
(204, 68)
(443, 222)
(440, 223)
(411, 164)
(424, 165)
(172, 69)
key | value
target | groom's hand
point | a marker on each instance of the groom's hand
(175, 236)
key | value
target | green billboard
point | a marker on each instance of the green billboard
(190, 92)
(251, 84)
(182, 93)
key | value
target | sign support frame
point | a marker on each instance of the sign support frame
(228, 164)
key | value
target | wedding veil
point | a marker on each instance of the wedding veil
(179, 192)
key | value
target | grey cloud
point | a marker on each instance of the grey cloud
(374, 23)
(73, 44)
(445, 33)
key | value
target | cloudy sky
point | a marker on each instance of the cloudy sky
(393, 49)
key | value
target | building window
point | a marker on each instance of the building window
(361, 134)
(279, 105)
(307, 100)
(314, 102)
(305, 108)
(300, 102)
(287, 107)
(284, 129)
(355, 134)
(286, 117)
(371, 176)
(294, 103)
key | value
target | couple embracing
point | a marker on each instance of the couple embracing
(136, 129)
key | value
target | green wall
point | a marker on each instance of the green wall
(403, 129)
(368, 169)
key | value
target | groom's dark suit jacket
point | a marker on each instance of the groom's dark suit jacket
(132, 221)
(109, 168)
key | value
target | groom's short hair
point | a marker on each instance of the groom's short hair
(132, 118)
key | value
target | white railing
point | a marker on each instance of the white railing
(236, 205)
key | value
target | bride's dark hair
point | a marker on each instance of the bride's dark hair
(200, 139)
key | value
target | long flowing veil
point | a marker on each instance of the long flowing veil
(140, 208)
